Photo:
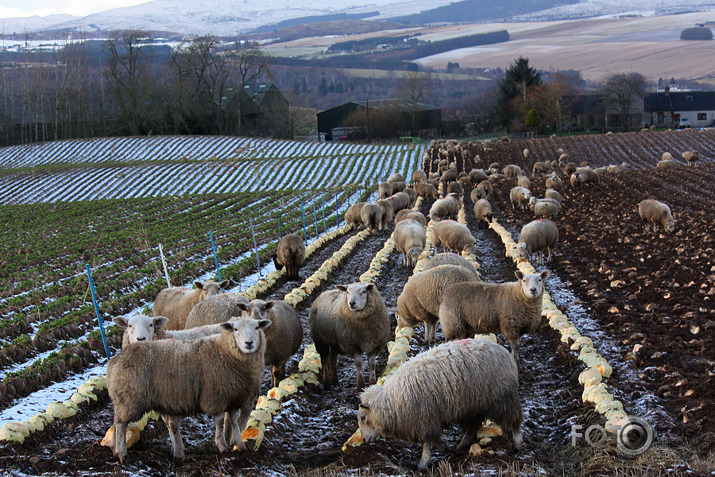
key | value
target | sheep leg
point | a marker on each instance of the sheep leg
(219, 426)
(548, 259)
(120, 440)
(173, 424)
(470, 435)
(359, 370)
(517, 438)
(426, 456)
(372, 378)
(239, 421)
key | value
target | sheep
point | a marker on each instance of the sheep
(464, 179)
(371, 215)
(657, 213)
(570, 168)
(494, 167)
(487, 186)
(477, 175)
(477, 194)
(666, 164)
(523, 181)
(388, 213)
(427, 190)
(399, 201)
(384, 190)
(514, 308)
(412, 194)
(540, 169)
(519, 196)
(411, 214)
(511, 171)
(290, 254)
(444, 209)
(352, 216)
(454, 237)
(554, 182)
(216, 309)
(283, 337)
(422, 295)
(534, 201)
(419, 176)
(396, 177)
(601, 170)
(525, 153)
(448, 176)
(666, 156)
(410, 241)
(583, 175)
(537, 236)
(138, 328)
(397, 187)
(613, 168)
(691, 157)
(447, 258)
(546, 209)
(176, 302)
(483, 211)
(352, 320)
(455, 187)
(213, 375)
(461, 382)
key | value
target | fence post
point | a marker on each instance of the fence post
(96, 309)
(255, 248)
(213, 247)
(163, 262)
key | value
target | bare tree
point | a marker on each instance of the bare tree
(252, 66)
(623, 92)
(415, 89)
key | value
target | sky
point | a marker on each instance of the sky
(79, 8)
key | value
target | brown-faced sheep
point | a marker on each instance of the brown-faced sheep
(422, 295)
(454, 237)
(691, 157)
(283, 337)
(176, 302)
(290, 254)
(371, 215)
(537, 236)
(461, 382)
(352, 216)
(656, 213)
(514, 308)
(483, 211)
(519, 196)
(216, 309)
(410, 241)
(388, 213)
(351, 320)
(411, 214)
(212, 375)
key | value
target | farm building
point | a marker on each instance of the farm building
(259, 106)
(381, 118)
(671, 108)
(582, 112)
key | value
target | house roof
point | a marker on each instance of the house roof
(378, 104)
(680, 101)
(582, 103)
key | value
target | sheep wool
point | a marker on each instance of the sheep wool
(537, 236)
(176, 302)
(410, 240)
(216, 309)
(290, 254)
(656, 213)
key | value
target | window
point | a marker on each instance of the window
(702, 116)
(661, 118)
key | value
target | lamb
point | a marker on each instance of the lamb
(410, 241)
(138, 328)
(554, 182)
(514, 308)
(519, 196)
(422, 295)
(396, 177)
(523, 181)
(410, 214)
(352, 216)
(447, 258)
(511, 171)
(546, 209)
(176, 302)
(371, 215)
(454, 237)
(691, 157)
(477, 175)
(352, 320)
(657, 213)
(290, 254)
(477, 194)
(283, 337)
(537, 236)
(483, 211)
(213, 375)
(388, 213)
(216, 309)
(399, 201)
(461, 382)
(419, 176)
(427, 190)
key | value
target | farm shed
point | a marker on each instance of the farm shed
(668, 108)
(260, 107)
(365, 117)
(582, 112)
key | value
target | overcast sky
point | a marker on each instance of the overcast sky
(26, 8)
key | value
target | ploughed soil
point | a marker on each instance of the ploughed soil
(629, 287)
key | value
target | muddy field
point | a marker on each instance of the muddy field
(645, 299)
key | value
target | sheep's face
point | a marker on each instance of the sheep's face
(246, 333)
(366, 425)
(356, 295)
(256, 309)
(413, 255)
(140, 327)
(669, 226)
(210, 288)
(532, 284)
(471, 249)
(521, 248)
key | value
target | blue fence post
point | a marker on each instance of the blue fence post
(315, 217)
(302, 212)
(96, 309)
(213, 247)
(255, 247)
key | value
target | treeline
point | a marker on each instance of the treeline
(696, 33)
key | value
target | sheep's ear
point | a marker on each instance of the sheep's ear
(263, 324)
(270, 304)
(160, 321)
(370, 286)
(242, 306)
(364, 406)
(519, 274)
(122, 321)
(227, 326)
(545, 274)
(224, 283)
(342, 288)
(199, 285)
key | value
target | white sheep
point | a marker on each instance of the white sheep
(537, 236)
(554, 182)
(419, 176)
(352, 215)
(451, 259)
(691, 157)
(351, 320)
(213, 375)
(405, 214)
(512, 171)
(523, 181)
(410, 240)
(519, 196)
(216, 309)
(454, 237)
(555, 195)
(514, 308)
(138, 328)
(371, 215)
(656, 213)
(483, 212)
(176, 302)
(546, 209)
(388, 214)
(461, 382)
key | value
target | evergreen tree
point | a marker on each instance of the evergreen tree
(533, 121)
(519, 78)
